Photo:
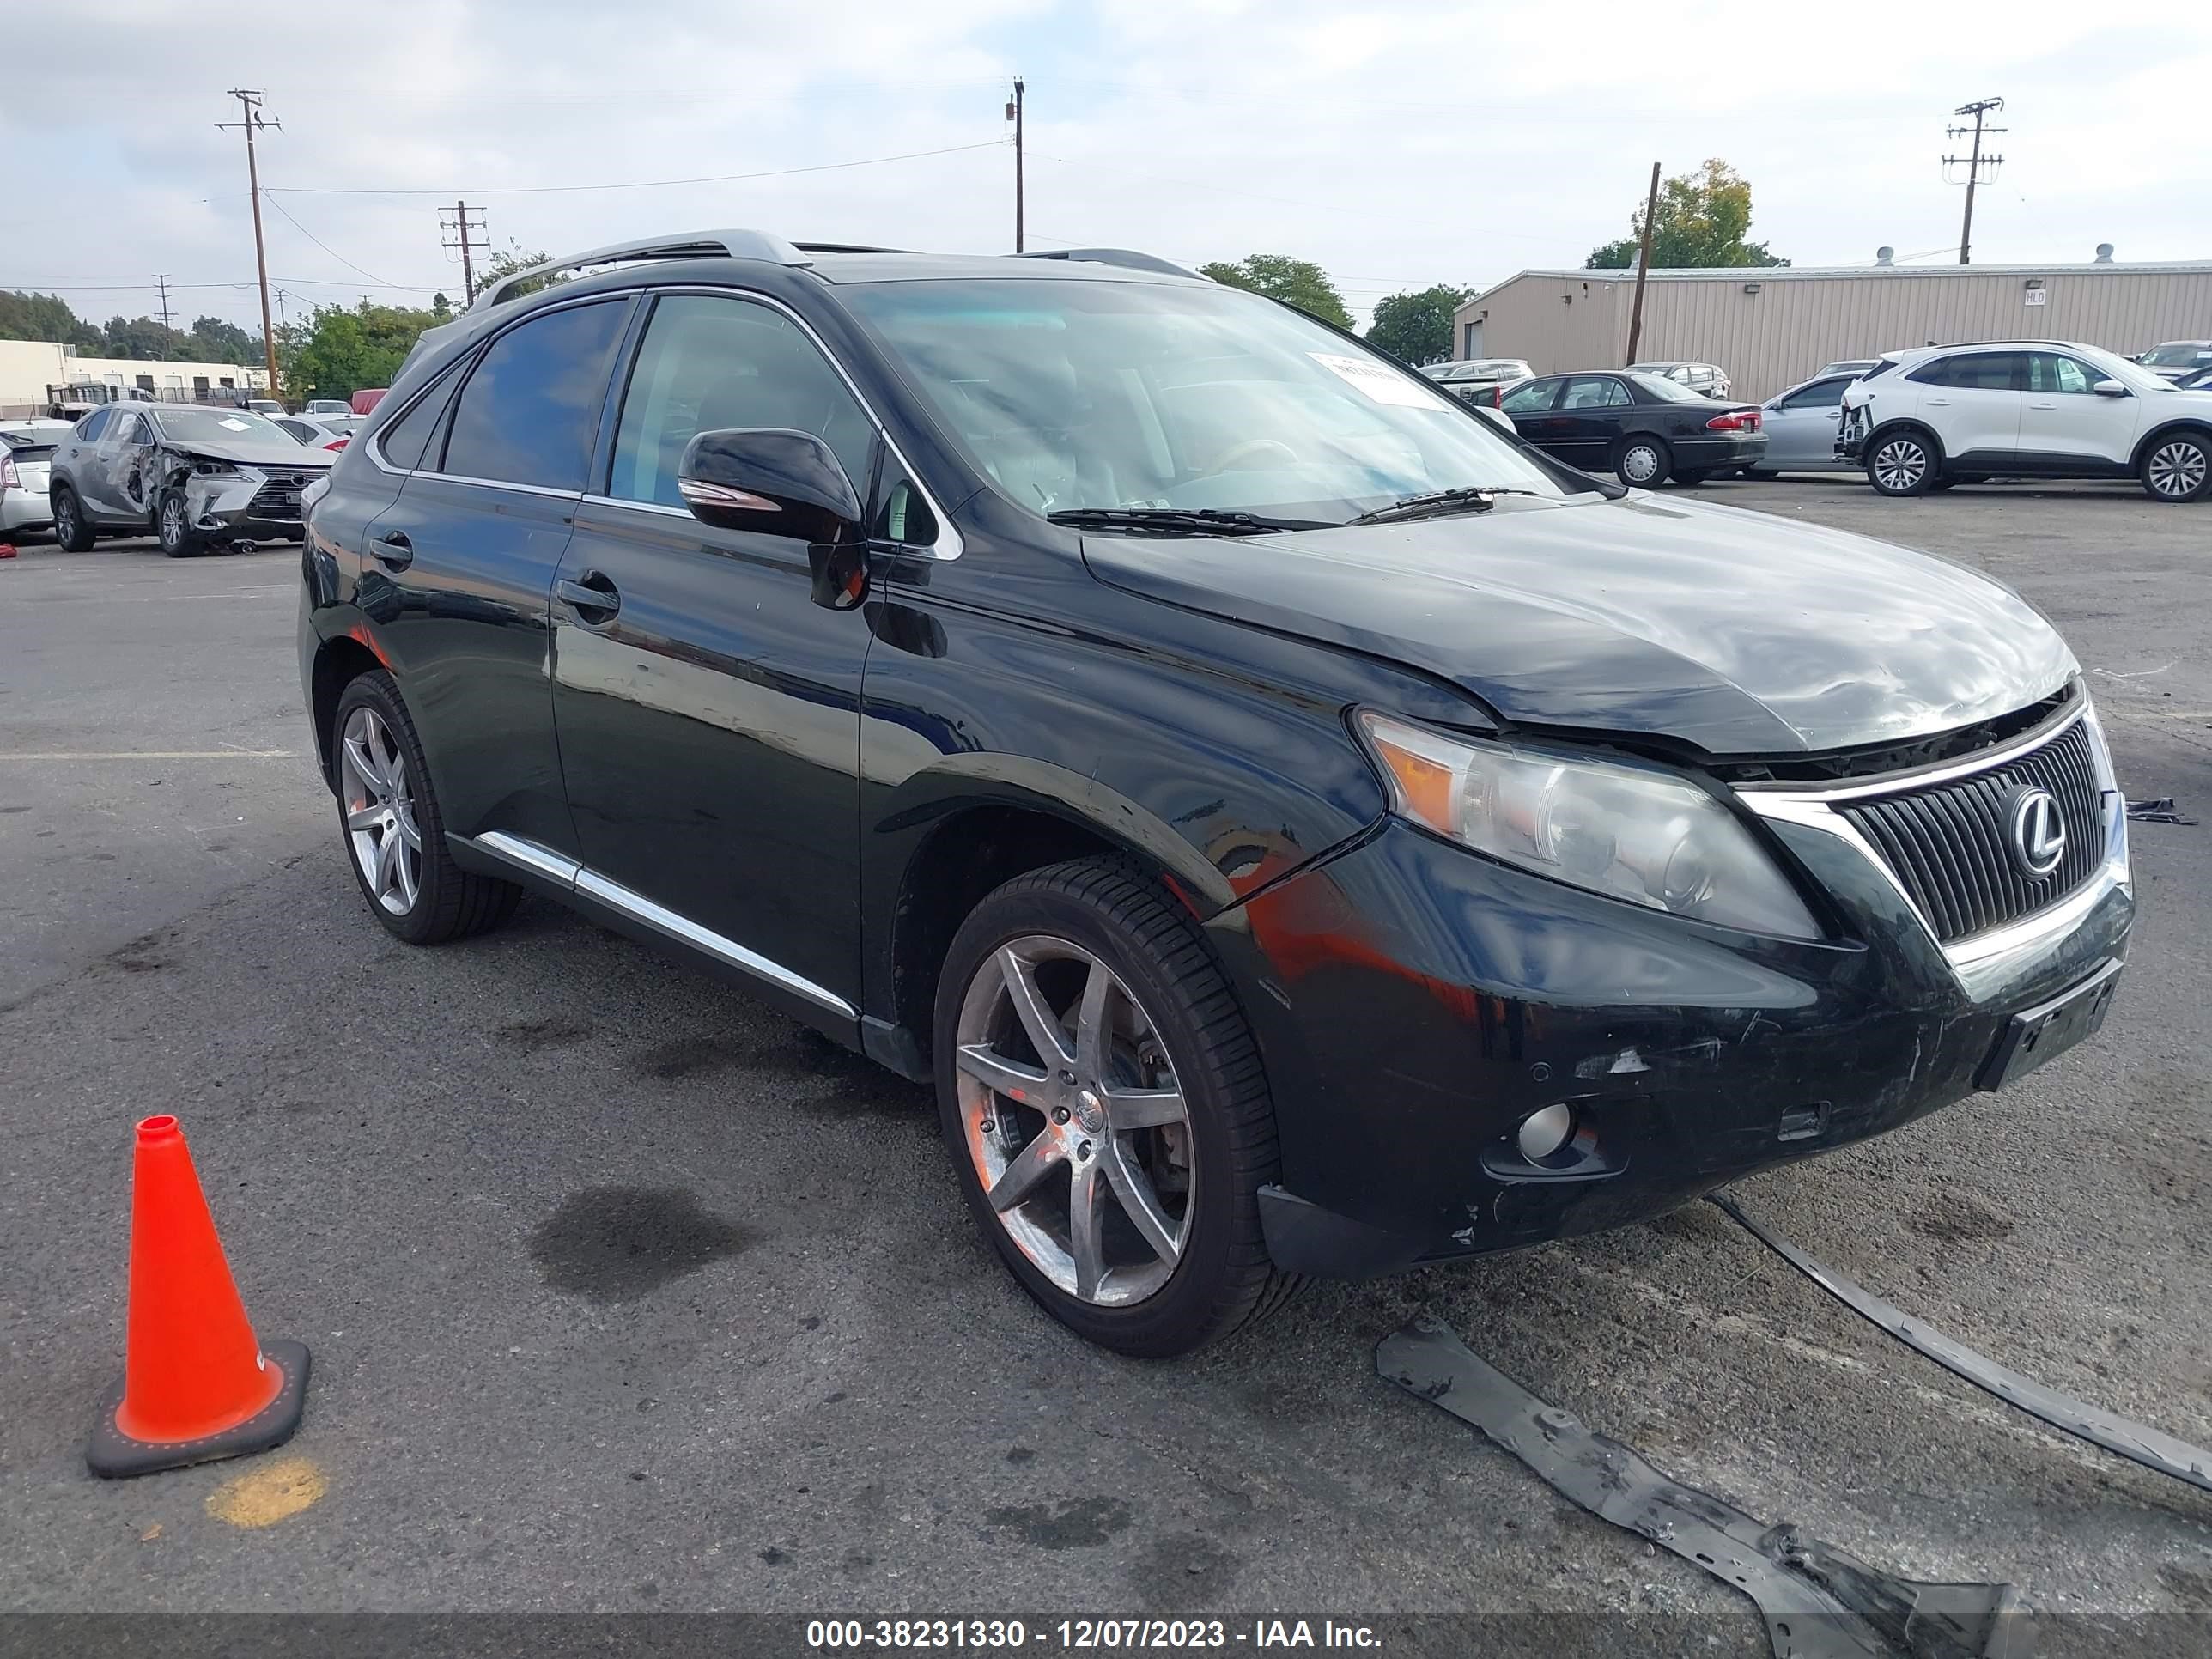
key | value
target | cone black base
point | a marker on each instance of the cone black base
(112, 1453)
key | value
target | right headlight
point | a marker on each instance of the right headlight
(1622, 830)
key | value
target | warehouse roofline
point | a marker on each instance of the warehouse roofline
(1799, 273)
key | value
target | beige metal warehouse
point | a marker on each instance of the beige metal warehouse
(1770, 327)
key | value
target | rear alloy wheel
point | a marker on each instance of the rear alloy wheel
(70, 530)
(173, 523)
(1901, 464)
(1642, 462)
(2178, 468)
(1103, 1102)
(394, 829)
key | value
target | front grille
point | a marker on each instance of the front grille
(1950, 844)
(279, 498)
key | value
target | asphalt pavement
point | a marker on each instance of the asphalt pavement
(625, 1294)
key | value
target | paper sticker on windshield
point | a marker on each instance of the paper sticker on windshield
(1378, 384)
(232, 424)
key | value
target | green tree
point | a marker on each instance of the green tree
(46, 316)
(214, 341)
(1416, 328)
(1702, 221)
(144, 338)
(339, 349)
(1295, 281)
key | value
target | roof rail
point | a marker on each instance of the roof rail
(1113, 255)
(701, 244)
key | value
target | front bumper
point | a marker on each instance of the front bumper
(1415, 1001)
(248, 503)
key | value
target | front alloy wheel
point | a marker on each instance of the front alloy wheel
(175, 523)
(379, 812)
(1900, 466)
(2178, 469)
(1076, 1124)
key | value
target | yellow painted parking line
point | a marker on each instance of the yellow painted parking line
(265, 1496)
(152, 755)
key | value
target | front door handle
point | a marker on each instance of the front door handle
(1939, 402)
(393, 550)
(594, 599)
(2043, 405)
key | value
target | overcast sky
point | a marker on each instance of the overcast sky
(1402, 144)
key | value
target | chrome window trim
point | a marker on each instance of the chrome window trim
(661, 508)
(1981, 961)
(948, 545)
(578, 879)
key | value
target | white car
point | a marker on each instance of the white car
(1939, 416)
(27, 453)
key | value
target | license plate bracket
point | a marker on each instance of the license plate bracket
(2035, 1036)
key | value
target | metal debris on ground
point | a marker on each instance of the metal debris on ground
(2157, 811)
(2136, 1441)
(1820, 1602)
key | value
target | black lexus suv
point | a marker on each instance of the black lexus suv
(1299, 828)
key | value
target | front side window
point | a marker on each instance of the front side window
(529, 411)
(708, 364)
(130, 429)
(1821, 394)
(1073, 394)
(1528, 399)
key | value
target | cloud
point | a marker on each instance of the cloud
(1399, 144)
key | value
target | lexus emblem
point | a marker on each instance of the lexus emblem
(2038, 831)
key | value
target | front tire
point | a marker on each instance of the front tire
(71, 529)
(394, 833)
(2177, 467)
(1902, 463)
(1642, 463)
(173, 522)
(1104, 1104)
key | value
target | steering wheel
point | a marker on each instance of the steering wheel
(1250, 449)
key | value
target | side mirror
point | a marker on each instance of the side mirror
(1499, 418)
(2109, 389)
(769, 479)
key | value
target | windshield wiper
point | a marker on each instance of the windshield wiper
(1177, 520)
(1474, 498)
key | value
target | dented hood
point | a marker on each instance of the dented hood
(1740, 632)
(250, 451)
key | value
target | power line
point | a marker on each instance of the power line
(326, 247)
(1973, 163)
(639, 184)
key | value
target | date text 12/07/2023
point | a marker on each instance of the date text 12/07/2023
(1085, 1635)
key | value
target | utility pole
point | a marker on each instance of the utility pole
(1642, 266)
(1014, 114)
(461, 224)
(163, 277)
(1973, 163)
(282, 321)
(251, 118)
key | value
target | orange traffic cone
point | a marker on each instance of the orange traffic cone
(196, 1385)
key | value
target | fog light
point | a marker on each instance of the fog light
(1544, 1130)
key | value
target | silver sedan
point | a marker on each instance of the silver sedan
(1801, 428)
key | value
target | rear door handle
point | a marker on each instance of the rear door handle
(595, 599)
(393, 549)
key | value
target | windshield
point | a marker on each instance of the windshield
(1666, 390)
(218, 426)
(1084, 395)
(2114, 366)
(2177, 354)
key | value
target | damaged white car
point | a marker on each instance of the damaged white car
(198, 478)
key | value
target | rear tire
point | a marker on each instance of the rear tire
(71, 529)
(1642, 463)
(2177, 467)
(172, 524)
(395, 834)
(1203, 1132)
(1904, 462)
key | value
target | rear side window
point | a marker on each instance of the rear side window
(1987, 371)
(1528, 399)
(529, 411)
(94, 424)
(1595, 392)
